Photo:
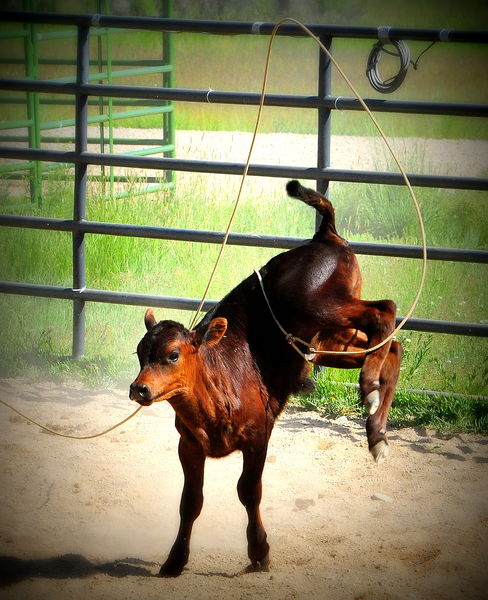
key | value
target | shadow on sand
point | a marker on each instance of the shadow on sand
(68, 566)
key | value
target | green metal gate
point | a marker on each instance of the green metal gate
(104, 69)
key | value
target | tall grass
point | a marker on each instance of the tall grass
(444, 412)
(34, 330)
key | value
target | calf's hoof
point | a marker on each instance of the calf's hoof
(171, 569)
(380, 451)
(258, 565)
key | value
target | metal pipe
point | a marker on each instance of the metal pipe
(282, 171)
(79, 207)
(31, 71)
(168, 82)
(106, 296)
(325, 101)
(92, 295)
(450, 327)
(323, 121)
(236, 239)
(243, 27)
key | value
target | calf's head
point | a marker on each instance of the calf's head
(169, 357)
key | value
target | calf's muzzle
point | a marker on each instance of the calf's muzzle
(139, 392)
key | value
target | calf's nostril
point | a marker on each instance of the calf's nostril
(140, 389)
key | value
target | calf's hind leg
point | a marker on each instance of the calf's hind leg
(249, 489)
(377, 420)
(366, 325)
(388, 377)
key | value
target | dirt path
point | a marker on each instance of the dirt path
(94, 519)
(418, 155)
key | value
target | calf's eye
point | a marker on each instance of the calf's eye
(173, 356)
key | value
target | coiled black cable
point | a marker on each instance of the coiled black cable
(389, 85)
(403, 53)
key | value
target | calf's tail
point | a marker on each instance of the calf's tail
(319, 202)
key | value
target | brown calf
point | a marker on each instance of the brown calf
(230, 377)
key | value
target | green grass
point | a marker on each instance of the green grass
(36, 332)
(334, 398)
(446, 74)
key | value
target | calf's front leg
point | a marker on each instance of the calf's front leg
(249, 489)
(192, 458)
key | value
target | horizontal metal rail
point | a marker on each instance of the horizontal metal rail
(57, 101)
(236, 239)
(101, 75)
(243, 27)
(119, 178)
(62, 62)
(92, 295)
(226, 168)
(54, 139)
(246, 98)
(56, 35)
(94, 31)
(173, 302)
(422, 392)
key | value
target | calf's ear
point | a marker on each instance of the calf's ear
(215, 331)
(149, 319)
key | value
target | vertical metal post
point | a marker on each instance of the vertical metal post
(34, 131)
(324, 118)
(101, 100)
(323, 129)
(79, 209)
(108, 42)
(104, 8)
(168, 81)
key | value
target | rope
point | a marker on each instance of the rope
(243, 179)
(65, 435)
(290, 338)
(407, 183)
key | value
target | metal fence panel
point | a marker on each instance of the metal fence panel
(324, 103)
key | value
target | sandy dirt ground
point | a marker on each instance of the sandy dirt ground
(95, 519)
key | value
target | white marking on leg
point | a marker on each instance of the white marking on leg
(380, 451)
(372, 401)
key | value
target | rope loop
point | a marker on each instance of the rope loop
(291, 339)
